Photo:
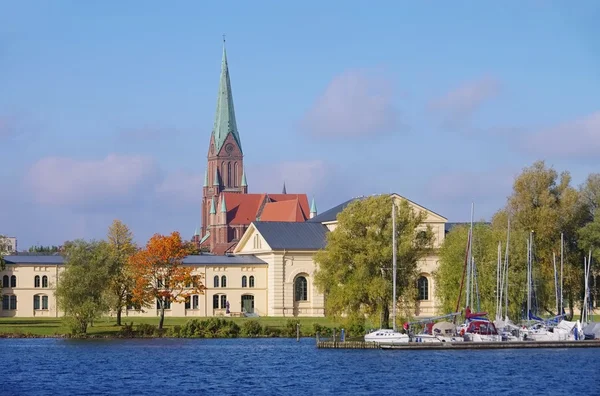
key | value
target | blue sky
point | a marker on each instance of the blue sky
(106, 108)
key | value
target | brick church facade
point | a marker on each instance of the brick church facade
(227, 207)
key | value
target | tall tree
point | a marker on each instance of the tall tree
(589, 235)
(160, 276)
(355, 269)
(544, 202)
(3, 247)
(121, 247)
(82, 285)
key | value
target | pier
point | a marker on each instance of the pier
(459, 345)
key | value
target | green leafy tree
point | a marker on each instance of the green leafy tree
(449, 274)
(44, 249)
(121, 247)
(589, 235)
(355, 269)
(82, 286)
(3, 248)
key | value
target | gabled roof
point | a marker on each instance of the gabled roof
(302, 201)
(246, 208)
(292, 236)
(331, 214)
(282, 211)
(242, 208)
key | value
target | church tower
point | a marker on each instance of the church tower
(225, 166)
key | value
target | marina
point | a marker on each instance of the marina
(458, 345)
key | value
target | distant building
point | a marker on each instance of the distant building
(227, 207)
(8, 245)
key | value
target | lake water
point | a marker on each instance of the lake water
(284, 367)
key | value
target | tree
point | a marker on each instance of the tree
(121, 247)
(355, 269)
(547, 204)
(44, 249)
(589, 235)
(3, 247)
(82, 285)
(449, 274)
(159, 275)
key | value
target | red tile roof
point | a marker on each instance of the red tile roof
(242, 208)
(302, 200)
(246, 208)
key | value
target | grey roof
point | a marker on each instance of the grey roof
(208, 259)
(294, 236)
(203, 259)
(34, 259)
(331, 214)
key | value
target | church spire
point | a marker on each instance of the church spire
(284, 191)
(225, 115)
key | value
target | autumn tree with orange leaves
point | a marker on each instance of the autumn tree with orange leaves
(159, 274)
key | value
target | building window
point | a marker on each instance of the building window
(423, 288)
(5, 302)
(166, 302)
(301, 289)
(216, 281)
(244, 281)
(223, 281)
(5, 281)
(36, 302)
(36, 281)
(44, 281)
(216, 301)
(252, 281)
(223, 301)
(188, 302)
(257, 244)
(13, 281)
(236, 179)
(195, 302)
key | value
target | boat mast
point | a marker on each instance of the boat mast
(555, 282)
(470, 262)
(506, 269)
(499, 285)
(394, 265)
(528, 276)
(562, 246)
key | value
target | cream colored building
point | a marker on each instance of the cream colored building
(270, 274)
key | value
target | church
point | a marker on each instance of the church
(227, 208)
(260, 246)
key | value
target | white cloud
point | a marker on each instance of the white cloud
(576, 138)
(116, 179)
(353, 104)
(458, 106)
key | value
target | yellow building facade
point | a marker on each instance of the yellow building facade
(271, 273)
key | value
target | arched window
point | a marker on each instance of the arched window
(36, 281)
(216, 301)
(223, 173)
(244, 281)
(236, 179)
(37, 299)
(223, 301)
(423, 288)
(301, 289)
(195, 299)
(44, 302)
(223, 281)
(229, 179)
(36, 302)
(251, 280)
(13, 302)
(44, 281)
(13, 281)
(216, 281)
(5, 281)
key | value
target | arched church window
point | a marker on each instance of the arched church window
(223, 169)
(216, 281)
(229, 179)
(236, 180)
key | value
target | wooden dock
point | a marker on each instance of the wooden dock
(459, 345)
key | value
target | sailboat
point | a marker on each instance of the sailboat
(390, 336)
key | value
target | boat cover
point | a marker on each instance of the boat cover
(592, 330)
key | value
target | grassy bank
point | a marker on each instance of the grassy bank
(49, 327)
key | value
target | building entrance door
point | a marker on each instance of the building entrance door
(248, 303)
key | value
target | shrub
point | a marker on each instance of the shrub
(251, 328)
(290, 328)
(127, 330)
(145, 329)
(270, 331)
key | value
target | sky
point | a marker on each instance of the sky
(106, 108)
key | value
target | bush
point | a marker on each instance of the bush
(210, 328)
(323, 331)
(251, 328)
(270, 331)
(145, 329)
(355, 327)
(127, 330)
(290, 328)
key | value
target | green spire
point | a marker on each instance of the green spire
(225, 115)
(213, 210)
(206, 178)
(216, 181)
(196, 232)
(313, 206)
(223, 207)
(244, 182)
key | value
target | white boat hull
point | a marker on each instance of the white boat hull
(385, 336)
